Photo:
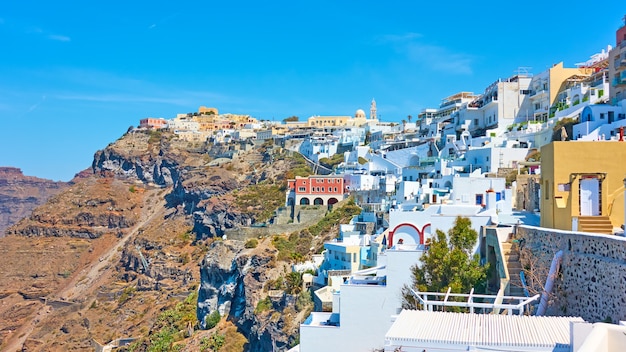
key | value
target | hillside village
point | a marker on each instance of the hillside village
(533, 161)
(532, 165)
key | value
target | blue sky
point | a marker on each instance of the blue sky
(74, 75)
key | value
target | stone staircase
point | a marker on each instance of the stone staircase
(595, 224)
(513, 265)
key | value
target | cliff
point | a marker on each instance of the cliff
(20, 194)
(118, 252)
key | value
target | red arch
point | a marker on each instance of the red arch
(420, 233)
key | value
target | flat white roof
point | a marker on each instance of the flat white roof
(413, 327)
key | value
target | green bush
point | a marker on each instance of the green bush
(264, 305)
(252, 243)
(127, 293)
(213, 343)
(172, 323)
(213, 319)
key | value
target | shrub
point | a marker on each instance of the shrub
(127, 293)
(264, 305)
(252, 243)
(213, 319)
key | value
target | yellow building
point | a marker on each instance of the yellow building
(545, 87)
(582, 185)
(358, 120)
(328, 121)
(203, 110)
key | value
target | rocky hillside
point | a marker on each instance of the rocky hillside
(20, 194)
(137, 250)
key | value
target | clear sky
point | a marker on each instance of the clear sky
(74, 75)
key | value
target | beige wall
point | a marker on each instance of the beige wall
(558, 75)
(564, 162)
(328, 121)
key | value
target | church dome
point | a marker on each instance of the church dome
(360, 114)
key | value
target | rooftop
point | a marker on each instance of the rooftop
(519, 333)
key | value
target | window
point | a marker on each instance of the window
(479, 199)
(335, 189)
(301, 189)
(546, 190)
(354, 257)
(322, 189)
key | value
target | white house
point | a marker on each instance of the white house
(363, 306)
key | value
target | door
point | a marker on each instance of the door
(589, 197)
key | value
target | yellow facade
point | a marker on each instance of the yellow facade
(328, 121)
(207, 111)
(558, 76)
(566, 166)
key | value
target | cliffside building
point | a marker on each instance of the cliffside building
(316, 189)
(617, 66)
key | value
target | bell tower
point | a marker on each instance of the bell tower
(373, 110)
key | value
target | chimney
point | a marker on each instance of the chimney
(490, 194)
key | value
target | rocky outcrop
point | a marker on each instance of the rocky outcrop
(232, 282)
(197, 190)
(20, 194)
(159, 170)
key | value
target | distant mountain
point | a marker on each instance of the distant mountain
(20, 194)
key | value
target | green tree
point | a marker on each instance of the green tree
(293, 280)
(449, 262)
(291, 119)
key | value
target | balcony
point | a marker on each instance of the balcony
(538, 93)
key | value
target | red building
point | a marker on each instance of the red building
(316, 189)
(152, 123)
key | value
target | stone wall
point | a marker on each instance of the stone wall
(527, 192)
(592, 278)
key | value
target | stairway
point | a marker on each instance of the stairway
(595, 224)
(513, 265)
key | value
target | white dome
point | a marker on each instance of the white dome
(359, 113)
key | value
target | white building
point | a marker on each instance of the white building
(599, 121)
(496, 108)
(318, 147)
(415, 330)
(362, 307)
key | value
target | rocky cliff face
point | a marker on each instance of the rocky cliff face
(20, 194)
(141, 232)
(232, 282)
(199, 190)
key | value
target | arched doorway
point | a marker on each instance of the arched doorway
(304, 201)
(332, 201)
(318, 201)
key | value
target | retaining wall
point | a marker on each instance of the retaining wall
(592, 279)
